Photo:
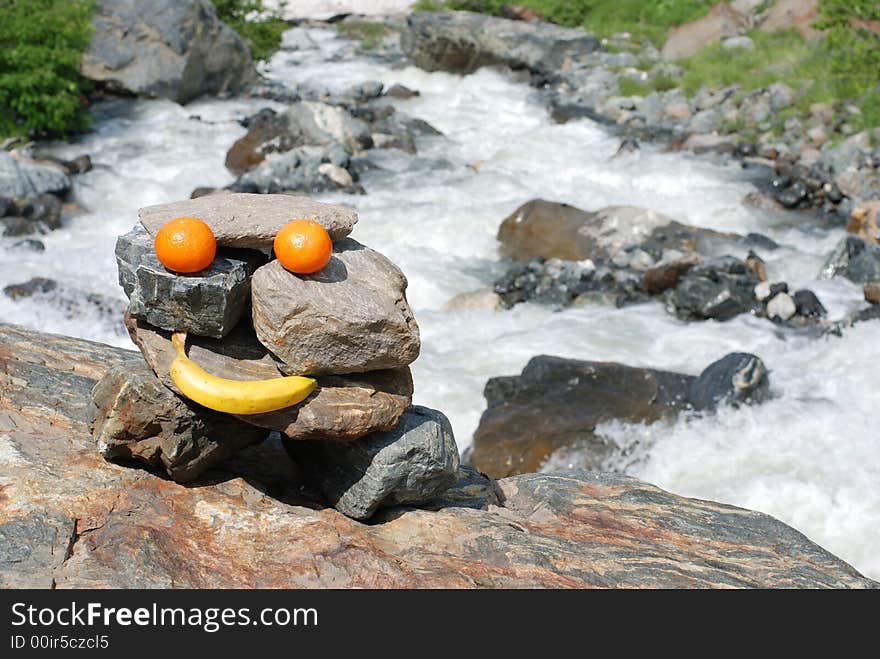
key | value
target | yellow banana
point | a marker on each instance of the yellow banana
(234, 396)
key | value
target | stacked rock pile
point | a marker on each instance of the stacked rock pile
(357, 438)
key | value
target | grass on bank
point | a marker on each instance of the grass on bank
(369, 33)
(262, 33)
(41, 43)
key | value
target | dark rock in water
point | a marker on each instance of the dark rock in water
(736, 378)
(628, 146)
(760, 241)
(135, 417)
(462, 42)
(401, 92)
(247, 525)
(719, 290)
(791, 194)
(777, 288)
(808, 305)
(855, 259)
(30, 288)
(557, 403)
(176, 49)
(44, 211)
(30, 245)
(208, 303)
(5, 206)
(871, 313)
(409, 465)
(307, 169)
(202, 192)
(268, 132)
(14, 225)
(79, 165)
(664, 276)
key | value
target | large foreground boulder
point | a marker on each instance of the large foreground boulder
(70, 519)
(462, 42)
(351, 316)
(342, 408)
(251, 220)
(176, 49)
(135, 417)
(411, 464)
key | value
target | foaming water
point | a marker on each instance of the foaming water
(807, 457)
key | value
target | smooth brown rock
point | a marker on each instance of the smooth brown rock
(664, 276)
(872, 292)
(251, 220)
(69, 519)
(350, 317)
(341, 408)
(721, 22)
(557, 403)
(864, 221)
(135, 417)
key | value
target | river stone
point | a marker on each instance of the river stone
(461, 42)
(135, 417)
(735, 378)
(864, 221)
(781, 307)
(411, 464)
(251, 220)
(349, 317)
(341, 408)
(303, 170)
(23, 177)
(176, 49)
(208, 303)
(719, 290)
(872, 292)
(557, 403)
(855, 259)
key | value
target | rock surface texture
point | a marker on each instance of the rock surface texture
(462, 42)
(23, 177)
(352, 316)
(412, 464)
(135, 417)
(251, 220)
(343, 407)
(208, 303)
(176, 49)
(69, 519)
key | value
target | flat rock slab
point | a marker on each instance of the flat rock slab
(341, 408)
(411, 464)
(350, 317)
(208, 303)
(135, 417)
(70, 519)
(242, 219)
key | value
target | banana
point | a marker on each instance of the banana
(234, 396)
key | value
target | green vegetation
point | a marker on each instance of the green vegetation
(41, 43)
(262, 33)
(369, 33)
(644, 19)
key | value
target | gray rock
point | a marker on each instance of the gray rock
(736, 378)
(412, 464)
(23, 177)
(462, 42)
(307, 169)
(807, 304)
(175, 49)
(251, 220)
(135, 417)
(741, 42)
(781, 307)
(351, 316)
(208, 303)
(855, 259)
(719, 289)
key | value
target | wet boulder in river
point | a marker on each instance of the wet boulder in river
(176, 49)
(22, 177)
(719, 289)
(306, 169)
(855, 259)
(736, 378)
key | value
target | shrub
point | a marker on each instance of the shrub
(41, 44)
(262, 32)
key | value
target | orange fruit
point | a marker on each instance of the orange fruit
(185, 244)
(303, 246)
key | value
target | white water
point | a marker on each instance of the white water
(809, 457)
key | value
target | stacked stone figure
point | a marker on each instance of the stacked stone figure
(356, 437)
